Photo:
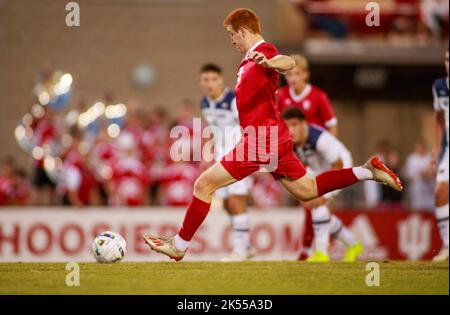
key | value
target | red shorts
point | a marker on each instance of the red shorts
(288, 165)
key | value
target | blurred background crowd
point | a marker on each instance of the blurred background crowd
(66, 145)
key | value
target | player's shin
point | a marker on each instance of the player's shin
(321, 225)
(341, 178)
(340, 232)
(194, 217)
(240, 225)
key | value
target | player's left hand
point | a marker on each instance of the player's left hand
(259, 58)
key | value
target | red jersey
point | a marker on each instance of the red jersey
(255, 94)
(177, 183)
(131, 180)
(22, 193)
(312, 101)
(105, 152)
(77, 177)
(155, 143)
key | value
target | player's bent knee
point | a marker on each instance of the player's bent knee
(306, 189)
(202, 187)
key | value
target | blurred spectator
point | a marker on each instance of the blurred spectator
(155, 137)
(77, 183)
(7, 181)
(45, 136)
(134, 121)
(14, 185)
(401, 21)
(335, 26)
(22, 187)
(176, 183)
(419, 178)
(403, 30)
(434, 14)
(103, 156)
(130, 177)
(155, 146)
(185, 113)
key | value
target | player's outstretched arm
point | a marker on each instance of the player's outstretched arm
(280, 63)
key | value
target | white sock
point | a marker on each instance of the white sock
(339, 231)
(180, 243)
(441, 215)
(321, 225)
(362, 173)
(240, 225)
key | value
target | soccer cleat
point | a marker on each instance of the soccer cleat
(235, 256)
(383, 174)
(442, 256)
(353, 252)
(318, 257)
(164, 245)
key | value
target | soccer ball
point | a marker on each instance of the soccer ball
(109, 247)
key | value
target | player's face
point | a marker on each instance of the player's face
(446, 62)
(237, 38)
(296, 76)
(211, 83)
(297, 129)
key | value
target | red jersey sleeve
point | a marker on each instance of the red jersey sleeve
(326, 113)
(268, 50)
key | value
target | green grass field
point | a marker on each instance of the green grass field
(284, 277)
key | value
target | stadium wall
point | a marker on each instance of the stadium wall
(62, 234)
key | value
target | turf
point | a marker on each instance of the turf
(283, 277)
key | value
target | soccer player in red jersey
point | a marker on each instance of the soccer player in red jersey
(260, 119)
(309, 98)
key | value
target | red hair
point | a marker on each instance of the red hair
(243, 18)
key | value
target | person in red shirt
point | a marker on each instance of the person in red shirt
(77, 182)
(21, 187)
(266, 142)
(103, 156)
(14, 185)
(176, 182)
(309, 98)
(45, 135)
(130, 177)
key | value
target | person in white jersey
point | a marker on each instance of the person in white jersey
(320, 151)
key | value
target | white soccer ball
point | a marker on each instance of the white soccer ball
(109, 247)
